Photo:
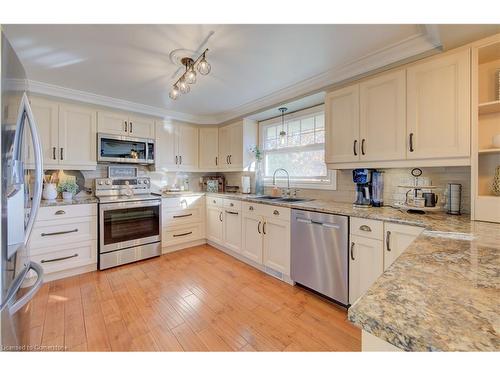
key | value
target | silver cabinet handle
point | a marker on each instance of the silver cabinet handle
(220, 216)
(276, 212)
(250, 208)
(60, 212)
(354, 146)
(411, 142)
(183, 234)
(227, 159)
(179, 216)
(126, 127)
(131, 127)
(58, 259)
(264, 227)
(363, 146)
(231, 204)
(231, 212)
(365, 228)
(62, 158)
(58, 233)
(258, 228)
(388, 240)
(230, 162)
(180, 159)
(352, 250)
(214, 201)
(176, 159)
(216, 160)
(54, 153)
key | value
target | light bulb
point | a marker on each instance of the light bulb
(204, 67)
(174, 93)
(183, 86)
(191, 76)
(282, 138)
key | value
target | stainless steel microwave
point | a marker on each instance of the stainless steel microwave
(122, 149)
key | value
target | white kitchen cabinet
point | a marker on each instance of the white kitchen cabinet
(397, 238)
(276, 245)
(46, 113)
(209, 148)
(232, 229)
(366, 264)
(342, 125)
(438, 107)
(235, 144)
(77, 135)
(382, 126)
(176, 147)
(122, 123)
(251, 239)
(215, 220)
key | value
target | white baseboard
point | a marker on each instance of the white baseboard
(69, 272)
(181, 246)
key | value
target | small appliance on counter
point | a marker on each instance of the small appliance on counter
(377, 188)
(245, 184)
(232, 188)
(419, 199)
(363, 180)
(454, 199)
(214, 183)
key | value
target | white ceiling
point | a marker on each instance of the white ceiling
(253, 66)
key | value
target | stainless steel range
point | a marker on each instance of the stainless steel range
(129, 218)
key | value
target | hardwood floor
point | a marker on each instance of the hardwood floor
(198, 299)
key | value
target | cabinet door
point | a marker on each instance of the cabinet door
(251, 243)
(396, 239)
(383, 117)
(141, 127)
(236, 146)
(188, 147)
(209, 148)
(366, 264)
(166, 157)
(224, 147)
(214, 224)
(438, 107)
(277, 245)
(232, 230)
(342, 125)
(112, 123)
(77, 135)
(46, 114)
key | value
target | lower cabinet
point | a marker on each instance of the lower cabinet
(252, 242)
(214, 224)
(276, 249)
(366, 264)
(232, 229)
(397, 238)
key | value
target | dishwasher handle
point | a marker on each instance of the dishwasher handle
(326, 225)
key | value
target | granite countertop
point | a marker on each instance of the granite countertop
(441, 294)
(87, 199)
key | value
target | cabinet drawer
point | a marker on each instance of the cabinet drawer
(367, 228)
(250, 209)
(66, 212)
(181, 203)
(58, 232)
(214, 201)
(232, 204)
(189, 215)
(276, 212)
(182, 234)
(65, 257)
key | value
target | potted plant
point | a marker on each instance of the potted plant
(68, 189)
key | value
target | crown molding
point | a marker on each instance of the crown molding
(106, 101)
(425, 41)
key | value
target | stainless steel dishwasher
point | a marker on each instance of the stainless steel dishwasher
(320, 253)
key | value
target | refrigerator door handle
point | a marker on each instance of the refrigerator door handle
(25, 112)
(18, 305)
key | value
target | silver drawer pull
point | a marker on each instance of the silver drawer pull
(179, 216)
(183, 234)
(232, 212)
(250, 208)
(214, 201)
(365, 228)
(58, 233)
(276, 212)
(58, 259)
(60, 212)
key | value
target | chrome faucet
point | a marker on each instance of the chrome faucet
(287, 178)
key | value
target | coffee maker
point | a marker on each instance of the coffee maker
(363, 180)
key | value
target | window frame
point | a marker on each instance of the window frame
(328, 182)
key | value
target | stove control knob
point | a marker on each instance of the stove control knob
(108, 182)
(100, 182)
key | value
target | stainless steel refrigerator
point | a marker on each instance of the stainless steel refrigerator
(20, 277)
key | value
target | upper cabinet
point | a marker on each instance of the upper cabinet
(67, 134)
(342, 125)
(407, 117)
(121, 123)
(209, 148)
(235, 146)
(176, 147)
(438, 104)
(382, 120)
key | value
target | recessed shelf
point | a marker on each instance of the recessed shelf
(489, 151)
(489, 107)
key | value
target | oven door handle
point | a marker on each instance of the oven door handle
(132, 204)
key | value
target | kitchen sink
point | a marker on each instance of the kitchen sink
(294, 199)
(267, 197)
(281, 199)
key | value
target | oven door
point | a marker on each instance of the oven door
(128, 224)
(122, 149)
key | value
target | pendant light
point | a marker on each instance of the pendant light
(282, 132)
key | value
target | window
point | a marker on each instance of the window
(301, 151)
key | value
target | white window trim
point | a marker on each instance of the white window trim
(281, 180)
